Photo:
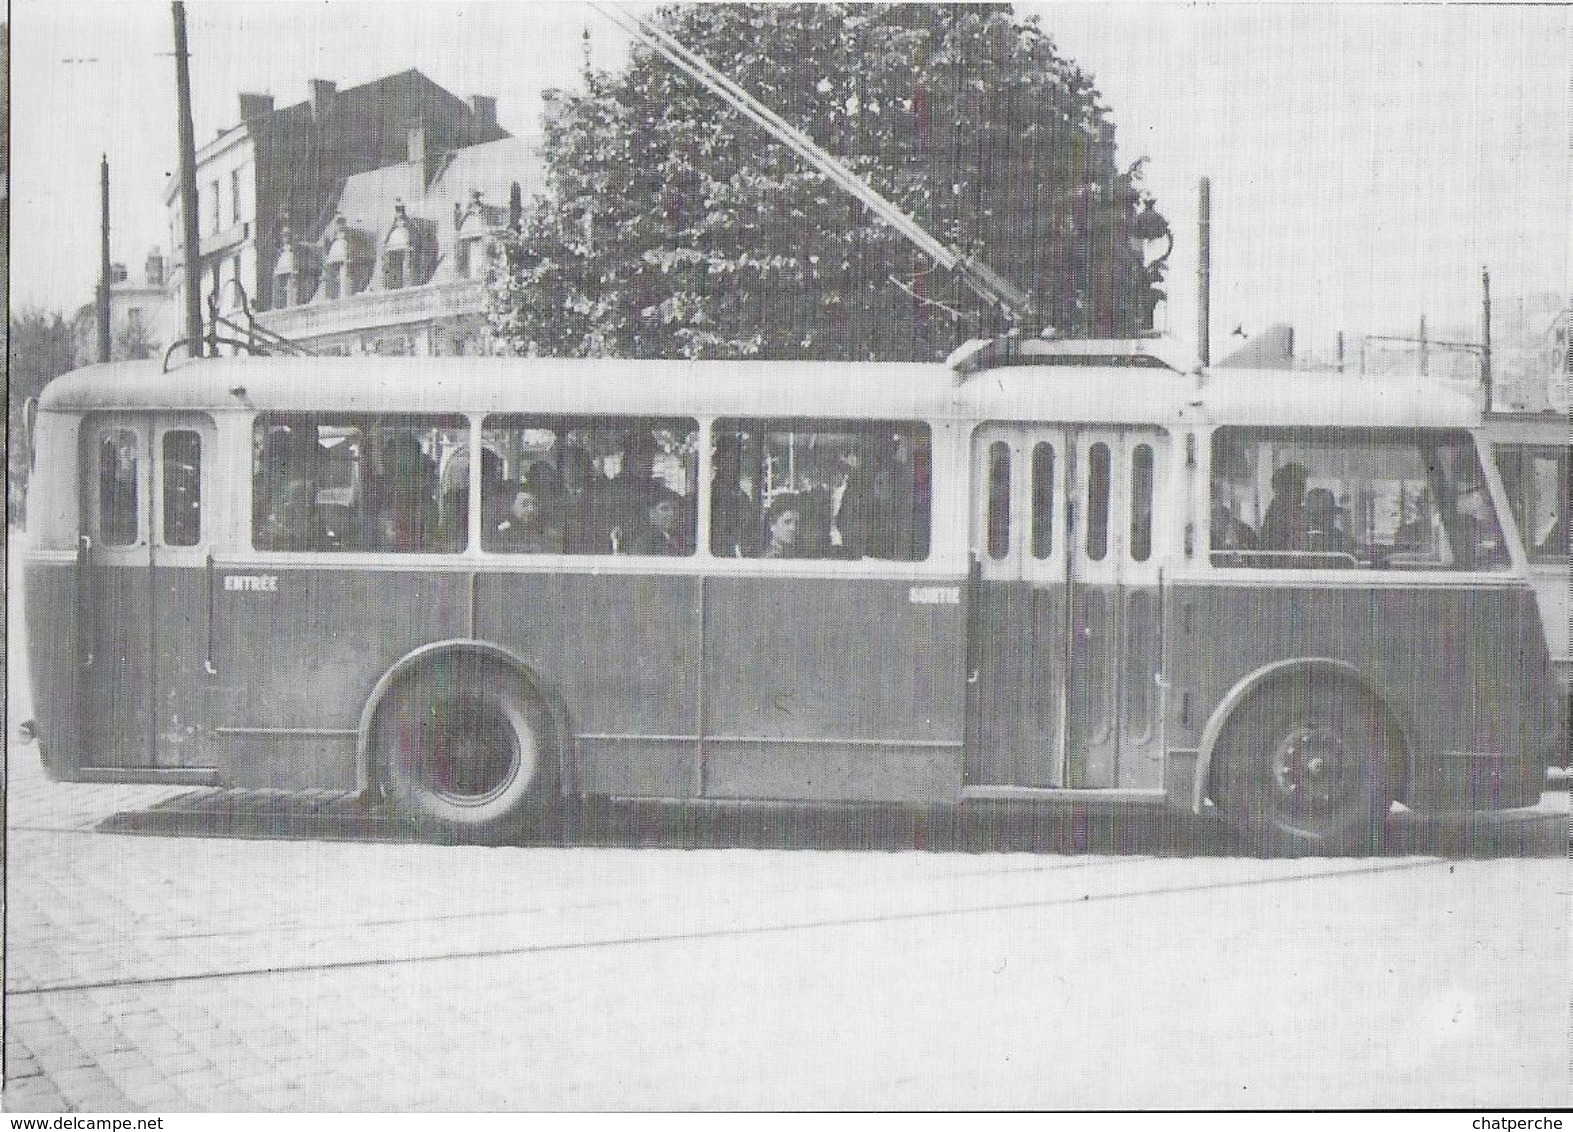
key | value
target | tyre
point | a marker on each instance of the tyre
(1307, 768)
(467, 750)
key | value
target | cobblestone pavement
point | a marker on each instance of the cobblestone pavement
(172, 973)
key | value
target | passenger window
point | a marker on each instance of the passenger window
(1042, 500)
(1340, 499)
(999, 500)
(1141, 503)
(119, 474)
(1098, 502)
(359, 482)
(589, 485)
(1538, 493)
(820, 489)
(182, 457)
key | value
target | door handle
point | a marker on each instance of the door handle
(207, 663)
(84, 549)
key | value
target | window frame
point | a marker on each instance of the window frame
(1520, 489)
(916, 433)
(1364, 559)
(563, 425)
(362, 486)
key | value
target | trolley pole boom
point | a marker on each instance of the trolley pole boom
(988, 284)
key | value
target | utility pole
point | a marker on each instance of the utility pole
(188, 187)
(1485, 335)
(1204, 272)
(1340, 351)
(1424, 355)
(103, 259)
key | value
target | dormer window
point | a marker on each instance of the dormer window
(470, 247)
(396, 262)
(286, 273)
(335, 265)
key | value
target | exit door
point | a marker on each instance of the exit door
(1066, 623)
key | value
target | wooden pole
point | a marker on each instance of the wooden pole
(103, 260)
(188, 188)
(1485, 335)
(1204, 272)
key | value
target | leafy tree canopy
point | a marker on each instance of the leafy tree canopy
(674, 227)
(39, 348)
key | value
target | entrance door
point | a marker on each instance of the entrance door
(114, 619)
(1066, 624)
(144, 593)
(182, 600)
(1113, 713)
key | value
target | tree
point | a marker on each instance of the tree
(672, 226)
(39, 348)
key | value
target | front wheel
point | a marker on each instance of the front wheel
(1306, 769)
(466, 749)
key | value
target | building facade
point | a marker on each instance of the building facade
(142, 319)
(400, 266)
(281, 170)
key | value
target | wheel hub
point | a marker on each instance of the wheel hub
(474, 754)
(1308, 769)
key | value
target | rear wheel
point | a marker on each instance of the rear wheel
(1307, 768)
(467, 750)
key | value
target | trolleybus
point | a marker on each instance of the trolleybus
(489, 588)
(1532, 452)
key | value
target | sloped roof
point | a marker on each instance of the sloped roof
(491, 168)
(368, 199)
(1273, 348)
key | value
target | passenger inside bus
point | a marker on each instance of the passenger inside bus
(583, 502)
(1284, 526)
(1414, 535)
(815, 490)
(1229, 531)
(662, 530)
(734, 512)
(403, 499)
(630, 489)
(782, 522)
(287, 517)
(454, 506)
(1323, 530)
(876, 514)
(1476, 538)
(522, 528)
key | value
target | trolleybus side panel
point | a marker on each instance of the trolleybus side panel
(1448, 660)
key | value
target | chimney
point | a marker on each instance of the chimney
(255, 106)
(322, 92)
(485, 108)
(155, 268)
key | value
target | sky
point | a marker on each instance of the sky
(1366, 161)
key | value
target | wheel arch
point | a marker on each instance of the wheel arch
(547, 694)
(1253, 682)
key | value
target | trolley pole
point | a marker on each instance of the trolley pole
(188, 187)
(103, 259)
(1204, 272)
